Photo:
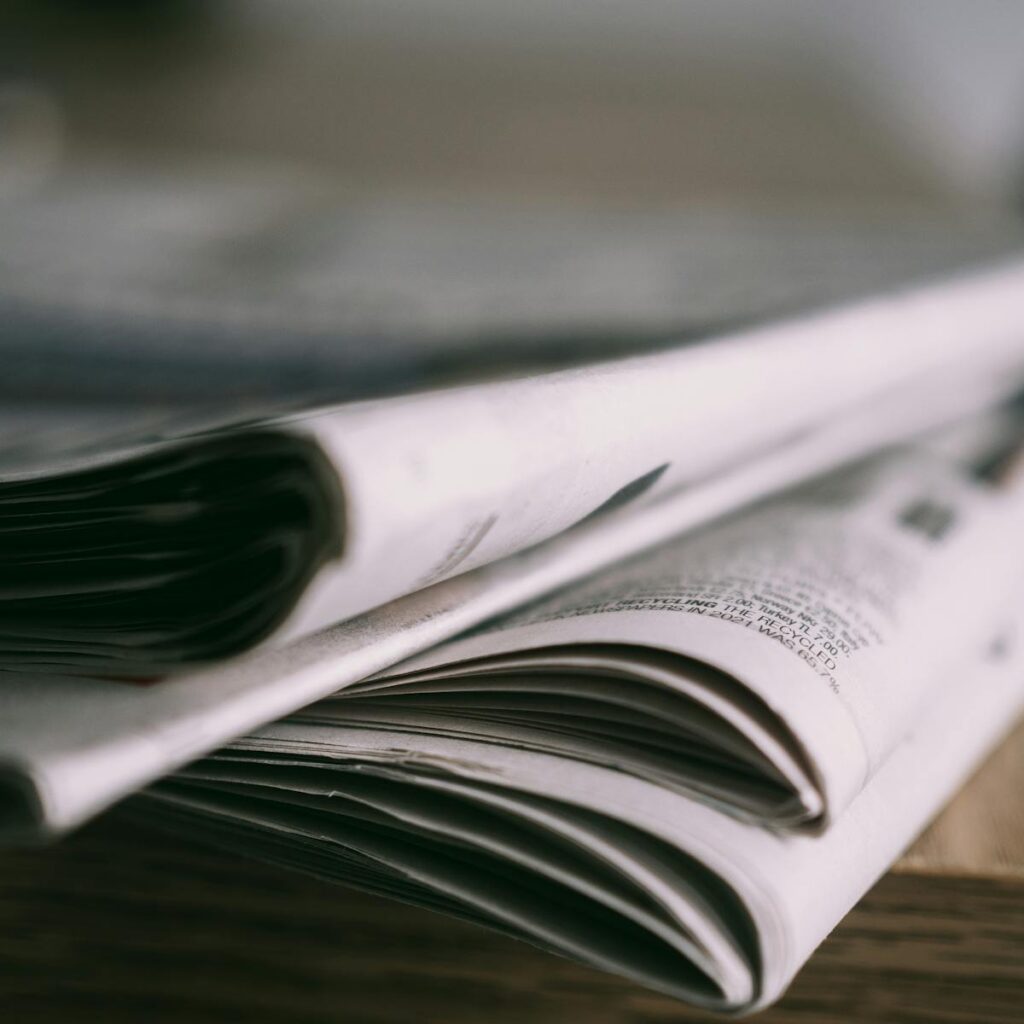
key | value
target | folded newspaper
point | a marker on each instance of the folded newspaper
(656, 662)
(137, 556)
(684, 769)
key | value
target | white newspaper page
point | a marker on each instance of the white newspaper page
(835, 608)
(71, 746)
(137, 557)
(440, 483)
(587, 861)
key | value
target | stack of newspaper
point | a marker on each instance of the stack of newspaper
(656, 661)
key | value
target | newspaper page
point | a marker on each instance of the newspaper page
(834, 608)
(71, 746)
(444, 482)
(582, 859)
(176, 550)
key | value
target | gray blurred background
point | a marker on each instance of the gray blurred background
(624, 101)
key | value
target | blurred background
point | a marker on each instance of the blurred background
(164, 167)
(639, 101)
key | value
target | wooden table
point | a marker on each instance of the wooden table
(119, 925)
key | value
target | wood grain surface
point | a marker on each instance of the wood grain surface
(120, 925)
